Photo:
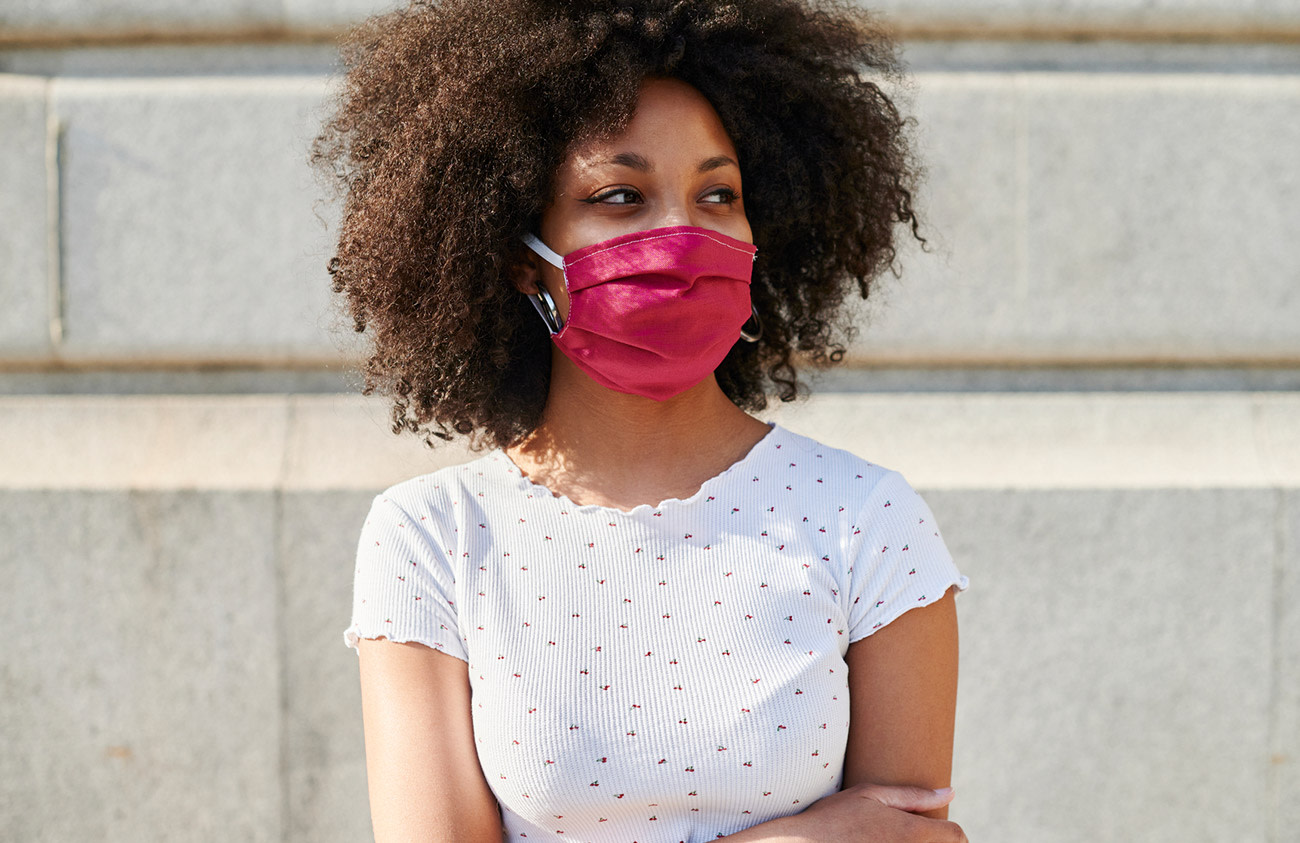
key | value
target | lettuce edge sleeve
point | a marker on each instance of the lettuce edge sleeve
(404, 589)
(353, 634)
(907, 564)
(934, 596)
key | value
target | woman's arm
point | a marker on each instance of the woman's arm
(903, 700)
(864, 813)
(424, 775)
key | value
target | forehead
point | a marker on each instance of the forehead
(673, 124)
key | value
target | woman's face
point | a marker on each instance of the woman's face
(674, 165)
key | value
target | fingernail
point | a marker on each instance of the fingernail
(943, 791)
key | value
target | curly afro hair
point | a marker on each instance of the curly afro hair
(454, 116)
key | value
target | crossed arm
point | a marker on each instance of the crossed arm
(903, 701)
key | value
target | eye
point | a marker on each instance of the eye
(726, 195)
(620, 191)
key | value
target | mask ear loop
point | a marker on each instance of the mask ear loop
(544, 251)
(542, 301)
(546, 308)
(758, 324)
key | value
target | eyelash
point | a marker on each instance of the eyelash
(730, 196)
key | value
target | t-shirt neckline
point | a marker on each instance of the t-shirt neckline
(499, 458)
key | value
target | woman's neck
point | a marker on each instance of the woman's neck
(598, 446)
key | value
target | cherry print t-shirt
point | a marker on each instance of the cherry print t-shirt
(672, 673)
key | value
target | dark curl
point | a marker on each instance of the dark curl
(454, 117)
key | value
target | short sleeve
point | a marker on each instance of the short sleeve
(898, 560)
(404, 587)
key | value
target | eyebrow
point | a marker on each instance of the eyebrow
(638, 162)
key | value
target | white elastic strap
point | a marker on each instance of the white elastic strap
(543, 250)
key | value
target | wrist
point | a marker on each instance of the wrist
(779, 830)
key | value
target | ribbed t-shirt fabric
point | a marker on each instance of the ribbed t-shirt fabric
(672, 673)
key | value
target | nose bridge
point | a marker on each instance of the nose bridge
(676, 203)
(677, 211)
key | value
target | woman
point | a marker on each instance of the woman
(643, 614)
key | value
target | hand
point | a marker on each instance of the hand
(874, 813)
(866, 813)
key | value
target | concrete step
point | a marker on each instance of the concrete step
(939, 440)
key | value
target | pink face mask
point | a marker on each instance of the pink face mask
(652, 312)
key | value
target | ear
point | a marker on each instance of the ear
(524, 271)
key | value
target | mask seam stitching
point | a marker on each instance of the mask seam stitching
(657, 237)
(574, 305)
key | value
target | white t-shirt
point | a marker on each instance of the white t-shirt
(673, 673)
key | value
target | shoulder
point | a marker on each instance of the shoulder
(447, 486)
(862, 495)
(439, 502)
(796, 443)
(836, 472)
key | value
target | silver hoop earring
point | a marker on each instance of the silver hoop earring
(545, 306)
(758, 327)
